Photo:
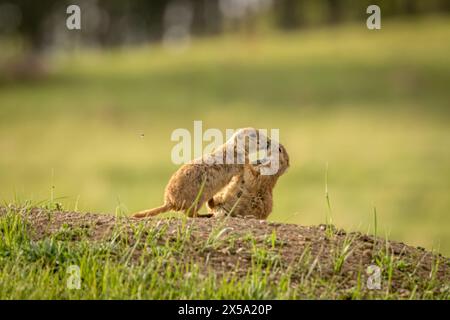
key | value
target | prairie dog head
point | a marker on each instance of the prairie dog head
(277, 161)
(246, 141)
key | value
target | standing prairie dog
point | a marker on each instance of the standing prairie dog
(250, 193)
(199, 180)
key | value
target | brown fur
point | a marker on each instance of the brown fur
(250, 193)
(197, 181)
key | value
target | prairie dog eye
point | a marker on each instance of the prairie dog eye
(279, 149)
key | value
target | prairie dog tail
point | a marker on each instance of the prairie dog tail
(152, 212)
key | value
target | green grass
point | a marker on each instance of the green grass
(373, 105)
(38, 269)
(147, 261)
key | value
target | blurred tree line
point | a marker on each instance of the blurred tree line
(115, 22)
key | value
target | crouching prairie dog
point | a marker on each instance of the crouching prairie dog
(199, 180)
(250, 193)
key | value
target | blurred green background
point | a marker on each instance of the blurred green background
(94, 120)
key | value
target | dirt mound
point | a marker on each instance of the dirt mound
(314, 254)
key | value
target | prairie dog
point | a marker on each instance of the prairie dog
(250, 193)
(199, 180)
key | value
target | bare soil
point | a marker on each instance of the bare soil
(228, 245)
